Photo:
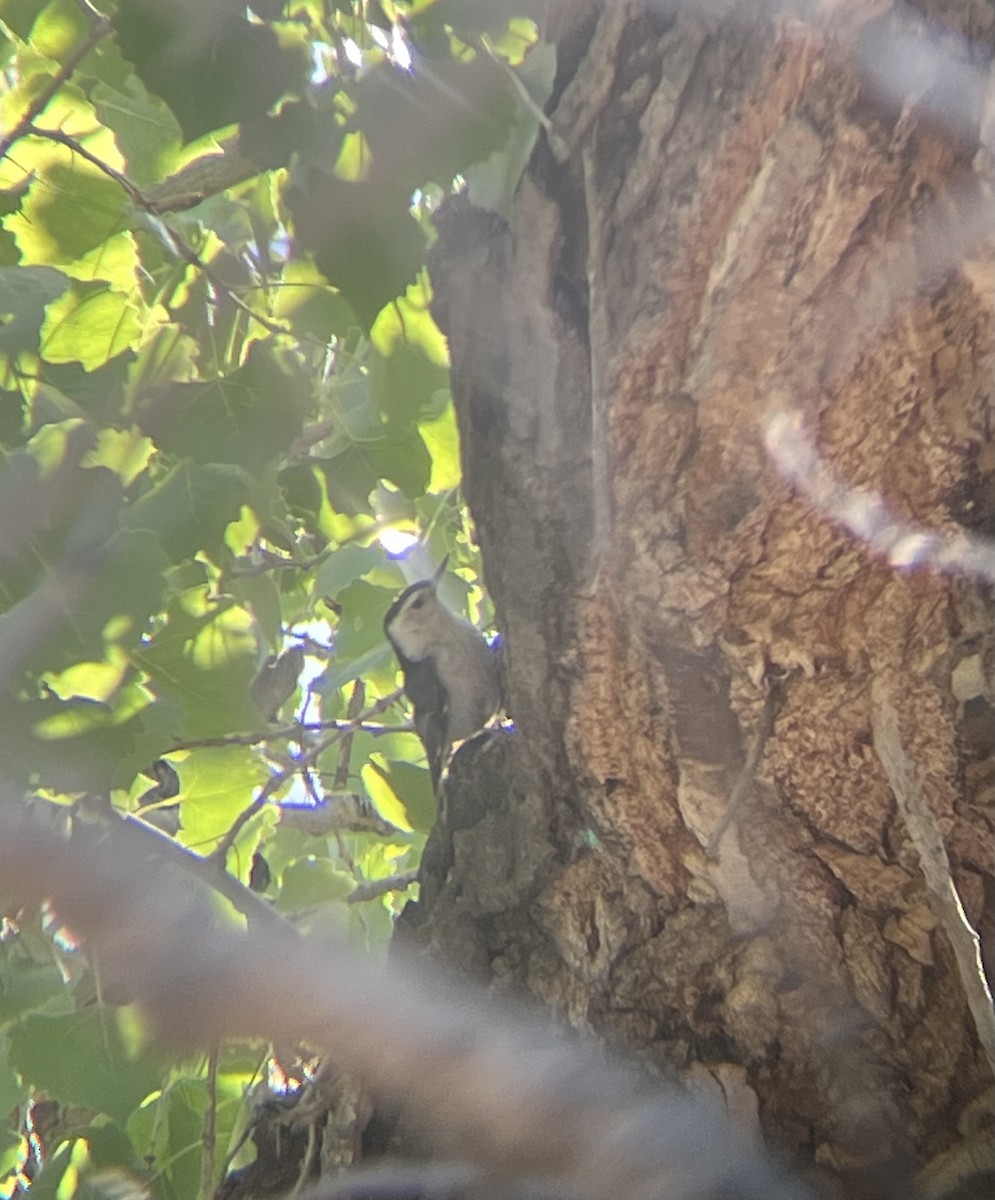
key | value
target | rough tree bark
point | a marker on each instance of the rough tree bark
(693, 847)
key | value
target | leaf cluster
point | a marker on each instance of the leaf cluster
(224, 412)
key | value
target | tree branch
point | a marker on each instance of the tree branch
(145, 843)
(372, 888)
(277, 780)
(100, 27)
(487, 1085)
(138, 197)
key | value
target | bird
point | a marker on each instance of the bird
(452, 674)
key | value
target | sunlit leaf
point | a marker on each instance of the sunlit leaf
(217, 783)
(69, 210)
(442, 439)
(206, 655)
(386, 801)
(90, 324)
(146, 131)
(410, 786)
(316, 310)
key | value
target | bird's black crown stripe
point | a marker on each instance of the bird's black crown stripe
(401, 600)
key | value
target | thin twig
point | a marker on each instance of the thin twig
(274, 562)
(341, 777)
(100, 27)
(370, 889)
(557, 144)
(277, 780)
(138, 197)
(64, 139)
(356, 701)
(293, 731)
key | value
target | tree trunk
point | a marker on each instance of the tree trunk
(732, 241)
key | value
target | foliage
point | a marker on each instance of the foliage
(224, 409)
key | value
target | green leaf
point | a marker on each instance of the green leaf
(145, 129)
(58, 30)
(315, 309)
(20, 15)
(12, 1091)
(12, 409)
(25, 293)
(110, 1147)
(71, 579)
(90, 324)
(191, 507)
(185, 1139)
(404, 460)
(431, 124)
(98, 392)
(206, 656)
(85, 602)
(312, 881)
(360, 625)
(409, 323)
(376, 662)
(13, 1150)
(69, 210)
(211, 65)
(217, 783)
(83, 1059)
(260, 595)
(362, 236)
(249, 417)
(26, 985)
(470, 16)
(441, 438)
(68, 746)
(412, 787)
(344, 567)
(351, 476)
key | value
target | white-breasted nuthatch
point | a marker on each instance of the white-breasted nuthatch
(452, 675)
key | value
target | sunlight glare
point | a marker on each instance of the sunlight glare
(397, 542)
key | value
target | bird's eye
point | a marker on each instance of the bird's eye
(418, 602)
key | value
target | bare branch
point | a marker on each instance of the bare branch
(277, 780)
(145, 841)
(373, 888)
(356, 701)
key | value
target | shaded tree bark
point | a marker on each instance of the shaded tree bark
(693, 847)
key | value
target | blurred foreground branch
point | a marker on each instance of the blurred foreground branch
(488, 1087)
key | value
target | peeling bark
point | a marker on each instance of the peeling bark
(695, 849)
